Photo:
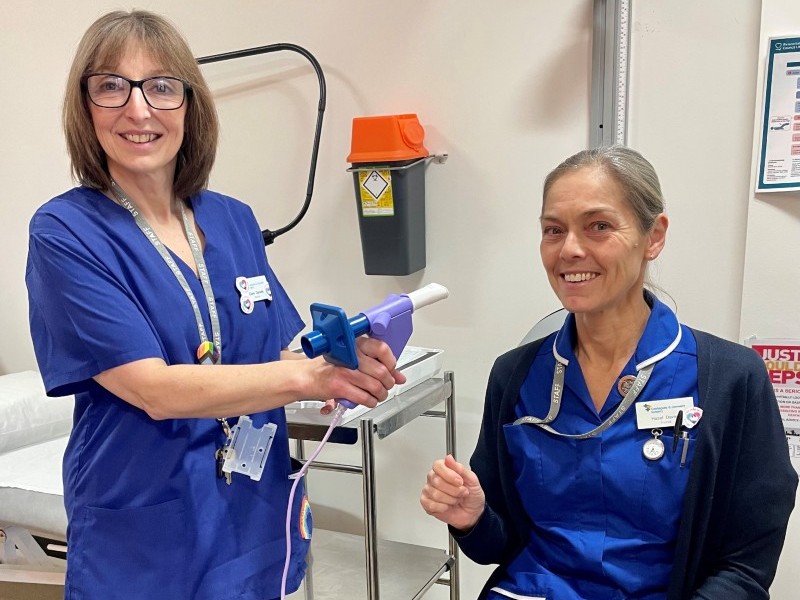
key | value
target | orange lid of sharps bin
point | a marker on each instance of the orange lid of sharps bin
(381, 139)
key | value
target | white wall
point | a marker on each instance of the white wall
(504, 92)
(771, 287)
(691, 105)
(504, 89)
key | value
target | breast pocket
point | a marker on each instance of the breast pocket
(664, 485)
(547, 468)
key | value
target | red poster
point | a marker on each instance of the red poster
(782, 359)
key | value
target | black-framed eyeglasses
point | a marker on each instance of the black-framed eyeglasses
(109, 90)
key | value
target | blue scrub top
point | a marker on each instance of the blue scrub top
(604, 518)
(148, 516)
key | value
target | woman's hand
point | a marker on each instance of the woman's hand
(376, 374)
(453, 494)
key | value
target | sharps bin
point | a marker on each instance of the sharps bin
(388, 166)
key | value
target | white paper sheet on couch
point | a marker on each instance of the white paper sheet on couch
(35, 468)
(27, 415)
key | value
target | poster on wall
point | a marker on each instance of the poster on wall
(782, 359)
(794, 450)
(779, 159)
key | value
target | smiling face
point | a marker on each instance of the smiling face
(592, 247)
(139, 141)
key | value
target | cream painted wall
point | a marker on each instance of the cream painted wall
(503, 91)
(771, 287)
(695, 93)
(688, 115)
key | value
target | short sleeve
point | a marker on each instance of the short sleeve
(82, 319)
(288, 318)
(290, 321)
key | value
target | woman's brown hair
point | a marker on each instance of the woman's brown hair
(101, 48)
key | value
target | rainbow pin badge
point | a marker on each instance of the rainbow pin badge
(207, 354)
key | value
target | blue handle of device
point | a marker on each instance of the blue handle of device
(334, 334)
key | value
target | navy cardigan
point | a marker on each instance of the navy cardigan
(740, 492)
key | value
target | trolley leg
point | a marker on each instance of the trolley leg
(370, 511)
(450, 425)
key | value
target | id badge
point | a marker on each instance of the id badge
(252, 290)
(661, 414)
(249, 448)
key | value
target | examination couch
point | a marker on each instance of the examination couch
(33, 435)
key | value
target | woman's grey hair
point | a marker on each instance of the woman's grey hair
(629, 168)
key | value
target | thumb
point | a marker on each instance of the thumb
(467, 475)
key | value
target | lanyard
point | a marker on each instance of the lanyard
(642, 377)
(207, 353)
(645, 369)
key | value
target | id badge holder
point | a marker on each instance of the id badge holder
(249, 448)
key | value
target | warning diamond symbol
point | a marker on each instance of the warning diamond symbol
(375, 184)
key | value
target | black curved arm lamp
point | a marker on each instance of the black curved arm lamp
(268, 235)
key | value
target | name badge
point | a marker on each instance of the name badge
(249, 448)
(661, 414)
(251, 290)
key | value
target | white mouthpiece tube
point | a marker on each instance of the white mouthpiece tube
(433, 292)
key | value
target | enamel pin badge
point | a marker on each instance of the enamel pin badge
(207, 354)
(692, 417)
(624, 384)
(251, 290)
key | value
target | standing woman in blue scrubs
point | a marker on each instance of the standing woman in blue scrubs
(626, 455)
(151, 300)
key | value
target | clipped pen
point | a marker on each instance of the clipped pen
(676, 430)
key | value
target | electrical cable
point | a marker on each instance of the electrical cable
(268, 235)
(337, 418)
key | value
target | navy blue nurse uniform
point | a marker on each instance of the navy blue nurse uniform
(148, 516)
(604, 518)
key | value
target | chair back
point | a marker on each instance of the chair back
(546, 326)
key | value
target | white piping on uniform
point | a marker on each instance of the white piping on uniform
(503, 592)
(660, 355)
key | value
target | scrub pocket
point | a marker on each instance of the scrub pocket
(302, 526)
(258, 572)
(114, 553)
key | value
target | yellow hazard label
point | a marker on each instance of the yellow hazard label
(375, 187)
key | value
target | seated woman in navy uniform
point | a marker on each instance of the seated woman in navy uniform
(625, 455)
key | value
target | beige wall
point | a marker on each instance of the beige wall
(503, 88)
(771, 286)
